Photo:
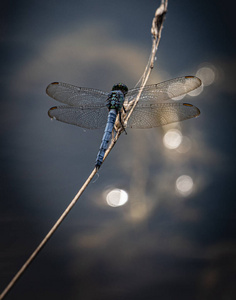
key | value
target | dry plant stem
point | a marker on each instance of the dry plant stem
(157, 26)
(48, 236)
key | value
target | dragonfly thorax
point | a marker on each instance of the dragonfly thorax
(115, 100)
(120, 87)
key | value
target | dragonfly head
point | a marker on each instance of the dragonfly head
(120, 87)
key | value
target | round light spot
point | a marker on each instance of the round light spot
(185, 145)
(196, 92)
(184, 185)
(173, 91)
(207, 75)
(172, 139)
(116, 197)
(178, 97)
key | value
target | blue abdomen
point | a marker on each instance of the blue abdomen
(106, 137)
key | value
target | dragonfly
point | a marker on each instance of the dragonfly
(92, 108)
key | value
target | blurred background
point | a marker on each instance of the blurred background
(159, 220)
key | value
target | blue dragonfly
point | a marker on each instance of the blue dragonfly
(92, 109)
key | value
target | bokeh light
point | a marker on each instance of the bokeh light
(117, 197)
(172, 90)
(207, 75)
(196, 92)
(185, 145)
(184, 185)
(179, 97)
(172, 139)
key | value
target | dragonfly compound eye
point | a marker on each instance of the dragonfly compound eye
(120, 87)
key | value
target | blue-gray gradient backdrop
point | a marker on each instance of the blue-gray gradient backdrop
(164, 243)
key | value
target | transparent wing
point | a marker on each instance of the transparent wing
(89, 117)
(87, 106)
(164, 91)
(161, 114)
(75, 96)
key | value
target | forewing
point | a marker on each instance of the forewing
(89, 118)
(162, 92)
(161, 114)
(75, 96)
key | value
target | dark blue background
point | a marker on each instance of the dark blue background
(159, 245)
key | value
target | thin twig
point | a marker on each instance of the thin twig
(48, 236)
(157, 26)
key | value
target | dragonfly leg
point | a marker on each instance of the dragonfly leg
(122, 125)
(114, 131)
